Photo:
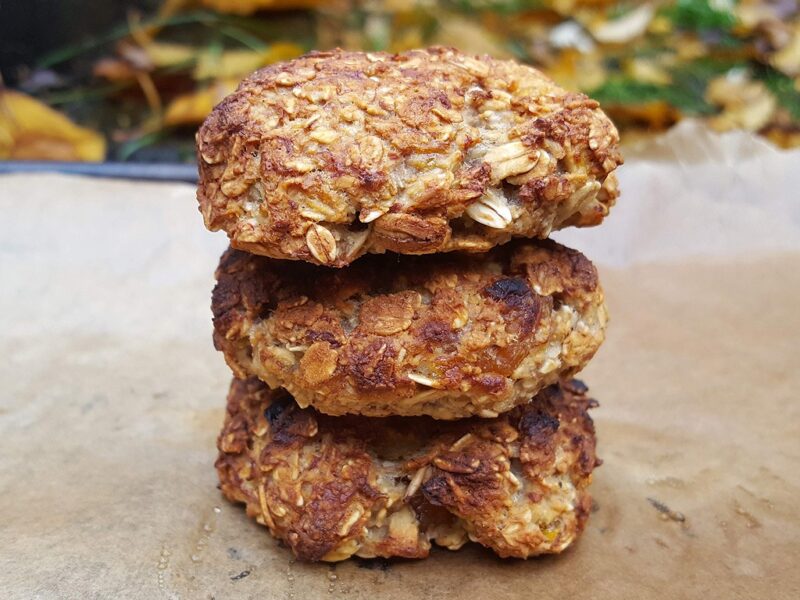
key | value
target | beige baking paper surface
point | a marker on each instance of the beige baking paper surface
(112, 396)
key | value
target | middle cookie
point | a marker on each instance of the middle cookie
(448, 335)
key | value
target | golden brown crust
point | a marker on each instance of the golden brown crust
(334, 487)
(449, 335)
(337, 154)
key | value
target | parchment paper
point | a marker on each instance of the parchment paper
(112, 396)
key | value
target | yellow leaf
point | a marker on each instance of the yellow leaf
(576, 70)
(238, 63)
(782, 137)
(192, 108)
(625, 28)
(652, 116)
(113, 69)
(787, 59)
(469, 37)
(248, 7)
(31, 130)
(281, 51)
(646, 71)
(745, 104)
(163, 54)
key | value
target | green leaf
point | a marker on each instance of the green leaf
(620, 9)
(84, 94)
(248, 31)
(624, 90)
(686, 92)
(782, 87)
(498, 6)
(699, 15)
(130, 147)
(518, 49)
(66, 53)
(245, 38)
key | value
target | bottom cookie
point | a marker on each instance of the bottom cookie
(335, 487)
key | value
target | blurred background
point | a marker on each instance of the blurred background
(92, 80)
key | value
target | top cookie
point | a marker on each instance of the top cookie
(336, 154)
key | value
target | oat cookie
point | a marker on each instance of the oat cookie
(448, 335)
(335, 487)
(337, 154)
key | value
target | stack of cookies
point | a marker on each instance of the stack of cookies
(402, 335)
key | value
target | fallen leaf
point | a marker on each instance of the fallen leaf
(238, 63)
(192, 108)
(248, 7)
(576, 70)
(655, 115)
(624, 28)
(746, 104)
(162, 54)
(114, 69)
(787, 58)
(470, 37)
(31, 130)
(647, 71)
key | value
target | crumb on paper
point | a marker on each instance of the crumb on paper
(666, 512)
(241, 575)
(750, 520)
